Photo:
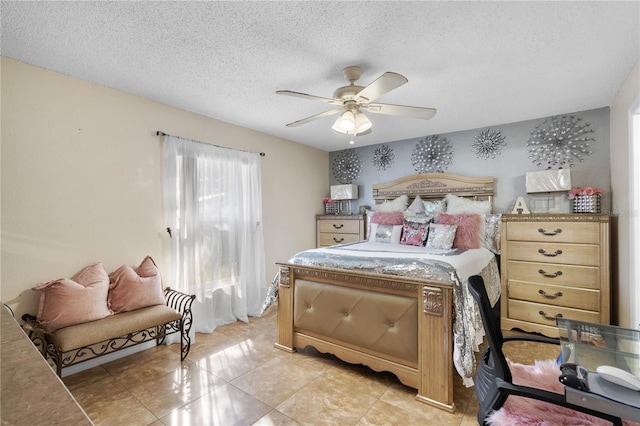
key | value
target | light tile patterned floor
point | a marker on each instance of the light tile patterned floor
(235, 376)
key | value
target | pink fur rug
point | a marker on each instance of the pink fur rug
(519, 411)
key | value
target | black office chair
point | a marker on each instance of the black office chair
(493, 382)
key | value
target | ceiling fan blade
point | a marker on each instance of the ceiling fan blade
(311, 97)
(402, 110)
(315, 117)
(384, 84)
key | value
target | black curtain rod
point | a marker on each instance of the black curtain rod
(161, 133)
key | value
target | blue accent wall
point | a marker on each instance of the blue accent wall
(508, 168)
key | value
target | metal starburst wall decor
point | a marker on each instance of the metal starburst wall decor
(383, 157)
(432, 154)
(560, 142)
(346, 166)
(488, 144)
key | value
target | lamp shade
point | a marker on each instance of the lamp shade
(344, 192)
(548, 181)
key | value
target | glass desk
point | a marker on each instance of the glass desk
(592, 345)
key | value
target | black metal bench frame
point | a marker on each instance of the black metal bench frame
(179, 301)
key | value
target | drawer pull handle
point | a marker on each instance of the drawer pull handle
(554, 254)
(549, 233)
(338, 226)
(547, 317)
(543, 272)
(338, 240)
(550, 296)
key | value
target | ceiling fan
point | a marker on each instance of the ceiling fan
(352, 99)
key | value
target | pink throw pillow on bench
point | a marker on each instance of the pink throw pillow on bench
(69, 301)
(135, 288)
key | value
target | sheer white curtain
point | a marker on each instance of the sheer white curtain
(214, 210)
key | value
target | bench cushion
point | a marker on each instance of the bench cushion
(79, 335)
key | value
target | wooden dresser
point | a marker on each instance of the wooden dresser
(339, 229)
(554, 265)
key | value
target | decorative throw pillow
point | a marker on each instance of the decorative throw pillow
(69, 301)
(490, 235)
(467, 234)
(414, 233)
(458, 205)
(441, 236)
(388, 218)
(135, 288)
(434, 207)
(397, 205)
(421, 218)
(415, 208)
(385, 233)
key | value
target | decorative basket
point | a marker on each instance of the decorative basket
(331, 207)
(586, 203)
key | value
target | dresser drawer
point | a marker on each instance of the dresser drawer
(545, 314)
(555, 274)
(339, 226)
(564, 232)
(571, 297)
(329, 239)
(573, 254)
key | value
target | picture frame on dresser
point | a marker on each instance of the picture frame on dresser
(554, 265)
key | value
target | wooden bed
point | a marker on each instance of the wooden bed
(432, 372)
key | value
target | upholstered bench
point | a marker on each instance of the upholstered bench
(94, 313)
(81, 342)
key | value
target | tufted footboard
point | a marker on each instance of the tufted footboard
(388, 323)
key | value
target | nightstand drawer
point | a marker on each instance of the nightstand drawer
(573, 254)
(339, 226)
(545, 314)
(571, 297)
(555, 274)
(564, 232)
(327, 239)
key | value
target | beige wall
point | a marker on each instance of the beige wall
(621, 206)
(81, 180)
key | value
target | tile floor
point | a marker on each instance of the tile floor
(235, 376)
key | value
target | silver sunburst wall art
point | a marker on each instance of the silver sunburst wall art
(487, 144)
(560, 141)
(347, 166)
(383, 157)
(432, 154)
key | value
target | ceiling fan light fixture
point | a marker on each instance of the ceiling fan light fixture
(345, 123)
(362, 123)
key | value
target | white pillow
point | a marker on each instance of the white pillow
(459, 205)
(415, 208)
(385, 233)
(397, 205)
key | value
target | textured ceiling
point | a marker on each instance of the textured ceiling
(479, 63)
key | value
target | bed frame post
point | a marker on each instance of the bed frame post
(436, 348)
(285, 309)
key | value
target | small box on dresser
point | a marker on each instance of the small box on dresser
(339, 229)
(554, 265)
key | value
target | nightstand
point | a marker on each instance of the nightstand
(339, 229)
(554, 265)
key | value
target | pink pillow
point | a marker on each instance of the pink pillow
(388, 218)
(135, 288)
(69, 301)
(467, 234)
(414, 233)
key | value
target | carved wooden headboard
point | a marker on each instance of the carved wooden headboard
(435, 185)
